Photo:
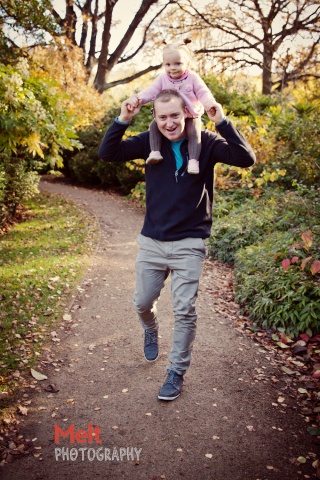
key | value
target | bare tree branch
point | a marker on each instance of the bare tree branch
(132, 77)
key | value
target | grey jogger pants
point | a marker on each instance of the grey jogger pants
(184, 259)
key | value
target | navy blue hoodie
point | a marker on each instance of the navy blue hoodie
(178, 204)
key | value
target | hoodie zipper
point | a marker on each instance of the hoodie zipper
(176, 173)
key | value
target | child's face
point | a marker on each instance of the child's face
(175, 63)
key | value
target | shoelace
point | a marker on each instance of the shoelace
(151, 337)
(172, 377)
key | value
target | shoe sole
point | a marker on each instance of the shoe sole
(168, 398)
(151, 361)
(154, 161)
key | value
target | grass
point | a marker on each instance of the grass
(41, 262)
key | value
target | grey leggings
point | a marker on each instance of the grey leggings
(193, 131)
(184, 259)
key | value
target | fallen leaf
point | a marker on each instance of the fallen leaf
(299, 350)
(51, 388)
(282, 345)
(305, 337)
(302, 390)
(54, 279)
(215, 437)
(208, 455)
(301, 459)
(281, 399)
(250, 428)
(23, 410)
(125, 390)
(179, 449)
(287, 370)
(37, 375)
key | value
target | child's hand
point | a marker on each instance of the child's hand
(128, 111)
(132, 103)
(211, 111)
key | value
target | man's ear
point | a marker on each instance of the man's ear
(186, 112)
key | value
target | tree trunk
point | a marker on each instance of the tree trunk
(91, 59)
(106, 64)
(86, 13)
(103, 71)
(70, 21)
(267, 70)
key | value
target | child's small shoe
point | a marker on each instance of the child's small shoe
(193, 166)
(154, 157)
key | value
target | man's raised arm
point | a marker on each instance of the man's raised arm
(113, 148)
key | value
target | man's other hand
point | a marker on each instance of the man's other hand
(215, 113)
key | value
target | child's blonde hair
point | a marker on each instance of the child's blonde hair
(176, 47)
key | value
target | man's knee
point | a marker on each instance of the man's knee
(142, 304)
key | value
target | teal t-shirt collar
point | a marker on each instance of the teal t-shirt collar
(177, 153)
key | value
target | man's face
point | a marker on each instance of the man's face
(170, 117)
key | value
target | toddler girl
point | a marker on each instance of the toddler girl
(197, 97)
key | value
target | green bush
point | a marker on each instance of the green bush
(16, 185)
(274, 297)
(86, 168)
(301, 155)
(139, 193)
(249, 223)
(34, 128)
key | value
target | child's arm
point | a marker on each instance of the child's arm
(146, 95)
(203, 93)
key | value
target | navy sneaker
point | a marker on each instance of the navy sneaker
(172, 387)
(151, 350)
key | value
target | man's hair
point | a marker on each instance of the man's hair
(166, 95)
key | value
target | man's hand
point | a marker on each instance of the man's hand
(128, 110)
(215, 113)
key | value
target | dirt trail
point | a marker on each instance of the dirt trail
(222, 427)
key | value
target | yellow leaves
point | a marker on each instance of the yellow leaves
(33, 144)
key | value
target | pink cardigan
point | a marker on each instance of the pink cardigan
(191, 87)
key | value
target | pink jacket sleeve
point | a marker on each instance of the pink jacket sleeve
(201, 90)
(148, 94)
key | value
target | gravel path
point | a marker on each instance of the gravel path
(224, 426)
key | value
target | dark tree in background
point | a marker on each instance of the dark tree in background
(92, 13)
(280, 37)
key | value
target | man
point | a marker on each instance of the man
(178, 218)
